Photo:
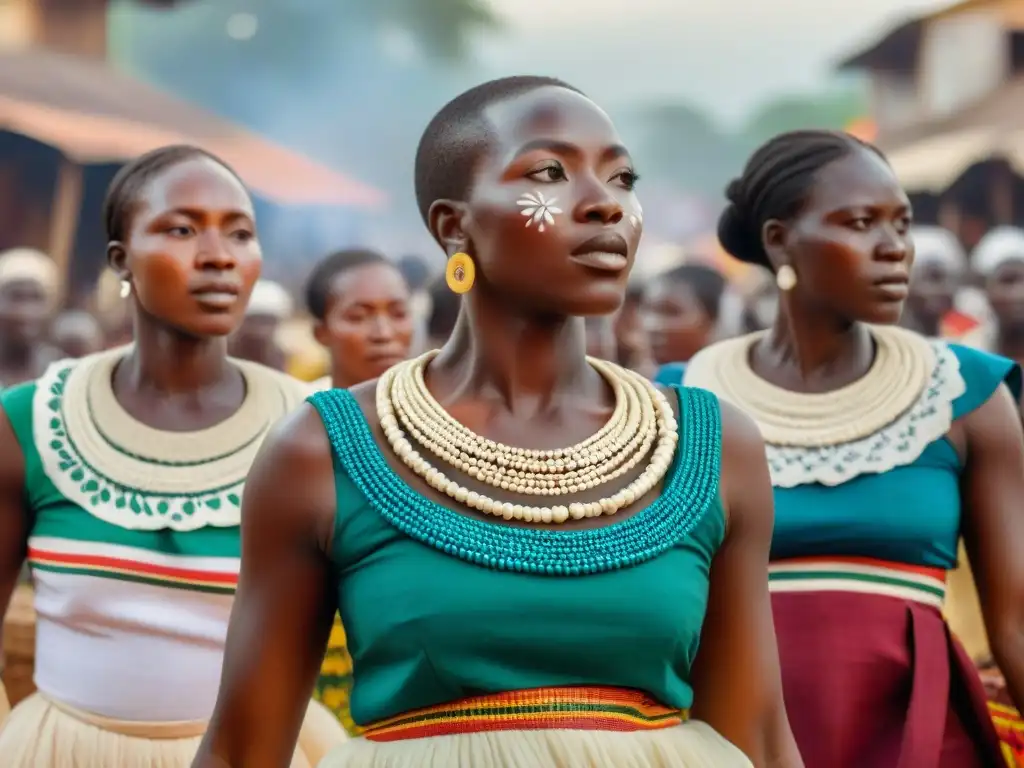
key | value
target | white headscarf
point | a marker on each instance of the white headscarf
(269, 298)
(999, 246)
(31, 265)
(939, 246)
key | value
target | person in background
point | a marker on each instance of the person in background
(631, 348)
(680, 312)
(998, 260)
(360, 304)
(444, 311)
(76, 333)
(256, 339)
(600, 334)
(886, 449)
(121, 477)
(939, 267)
(760, 300)
(417, 277)
(29, 288)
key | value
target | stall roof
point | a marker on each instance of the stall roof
(896, 51)
(931, 156)
(93, 113)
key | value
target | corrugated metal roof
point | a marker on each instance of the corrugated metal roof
(93, 113)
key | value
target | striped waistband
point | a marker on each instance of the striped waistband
(859, 574)
(589, 708)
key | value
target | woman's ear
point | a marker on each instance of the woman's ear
(445, 219)
(773, 240)
(117, 258)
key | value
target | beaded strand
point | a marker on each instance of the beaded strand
(647, 414)
(688, 494)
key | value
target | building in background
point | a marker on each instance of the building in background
(947, 98)
(68, 120)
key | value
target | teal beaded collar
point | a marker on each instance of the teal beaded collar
(690, 491)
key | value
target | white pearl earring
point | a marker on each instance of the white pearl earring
(126, 288)
(785, 278)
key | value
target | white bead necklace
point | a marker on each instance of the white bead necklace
(642, 418)
(552, 472)
(902, 368)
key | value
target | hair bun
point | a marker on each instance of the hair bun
(734, 192)
(738, 238)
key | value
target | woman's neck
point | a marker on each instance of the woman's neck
(527, 362)
(809, 354)
(165, 362)
(341, 379)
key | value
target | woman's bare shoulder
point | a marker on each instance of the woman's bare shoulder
(745, 481)
(292, 479)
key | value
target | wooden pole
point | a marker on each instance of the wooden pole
(67, 203)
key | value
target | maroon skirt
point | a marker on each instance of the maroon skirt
(874, 681)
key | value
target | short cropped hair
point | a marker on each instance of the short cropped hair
(456, 137)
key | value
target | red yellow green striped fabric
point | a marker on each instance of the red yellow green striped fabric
(1010, 728)
(217, 575)
(577, 708)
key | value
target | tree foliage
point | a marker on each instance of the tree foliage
(442, 28)
(682, 145)
(832, 110)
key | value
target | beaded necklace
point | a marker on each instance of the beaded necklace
(642, 426)
(902, 367)
(689, 494)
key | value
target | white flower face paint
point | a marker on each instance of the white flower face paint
(636, 219)
(539, 210)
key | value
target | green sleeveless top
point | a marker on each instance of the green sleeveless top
(438, 606)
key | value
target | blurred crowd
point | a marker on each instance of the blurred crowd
(362, 311)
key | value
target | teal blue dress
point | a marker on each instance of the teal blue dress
(864, 535)
(440, 607)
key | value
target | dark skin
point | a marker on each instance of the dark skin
(677, 324)
(932, 290)
(1005, 291)
(25, 311)
(630, 338)
(77, 334)
(255, 341)
(851, 234)
(527, 290)
(600, 338)
(192, 230)
(368, 325)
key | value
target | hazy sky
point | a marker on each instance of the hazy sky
(727, 55)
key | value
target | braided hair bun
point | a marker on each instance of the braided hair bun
(775, 184)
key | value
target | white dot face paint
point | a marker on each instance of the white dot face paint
(636, 219)
(539, 210)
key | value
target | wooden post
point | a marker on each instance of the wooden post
(67, 203)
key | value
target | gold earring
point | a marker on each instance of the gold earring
(785, 278)
(126, 288)
(460, 272)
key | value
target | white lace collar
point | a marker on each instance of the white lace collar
(898, 442)
(139, 478)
